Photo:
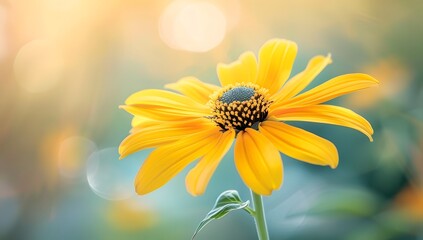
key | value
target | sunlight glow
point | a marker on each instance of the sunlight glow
(3, 32)
(192, 26)
(38, 66)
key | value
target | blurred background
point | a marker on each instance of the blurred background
(66, 66)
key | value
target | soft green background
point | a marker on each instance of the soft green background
(66, 66)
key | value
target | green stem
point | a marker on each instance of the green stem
(259, 217)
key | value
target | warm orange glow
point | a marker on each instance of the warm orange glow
(410, 202)
(396, 77)
(131, 215)
(73, 155)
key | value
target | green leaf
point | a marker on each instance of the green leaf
(226, 202)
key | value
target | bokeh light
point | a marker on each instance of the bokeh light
(110, 178)
(194, 26)
(39, 66)
(410, 202)
(396, 77)
(131, 215)
(73, 155)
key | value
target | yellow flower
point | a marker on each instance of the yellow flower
(252, 107)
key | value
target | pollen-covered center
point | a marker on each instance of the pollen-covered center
(237, 94)
(239, 106)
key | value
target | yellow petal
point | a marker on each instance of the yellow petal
(159, 113)
(141, 121)
(242, 70)
(326, 114)
(162, 98)
(276, 58)
(194, 89)
(303, 79)
(258, 162)
(167, 161)
(164, 105)
(137, 120)
(159, 134)
(199, 177)
(300, 144)
(331, 89)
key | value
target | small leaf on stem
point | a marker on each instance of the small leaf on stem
(226, 202)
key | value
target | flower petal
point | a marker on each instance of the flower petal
(164, 106)
(258, 162)
(326, 114)
(199, 177)
(276, 58)
(159, 113)
(161, 98)
(168, 160)
(194, 89)
(242, 70)
(304, 78)
(160, 133)
(300, 144)
(137, 120)
(331, 89)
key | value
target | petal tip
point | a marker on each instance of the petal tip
(141, 189)
(370, 133)
(281, 41)
(247, 54)
(121, 151)
(194, 193)
(372, 79)
(224, 66)
(191, 188)
(375, 80)
(170, 86)
(329, 58)
(267, 193)
(334, 165)
(335, 158)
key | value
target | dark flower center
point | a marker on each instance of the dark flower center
(239, 107)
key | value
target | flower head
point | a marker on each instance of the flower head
(252, 107)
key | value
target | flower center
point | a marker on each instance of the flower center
(237, 94)
(239, 106)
